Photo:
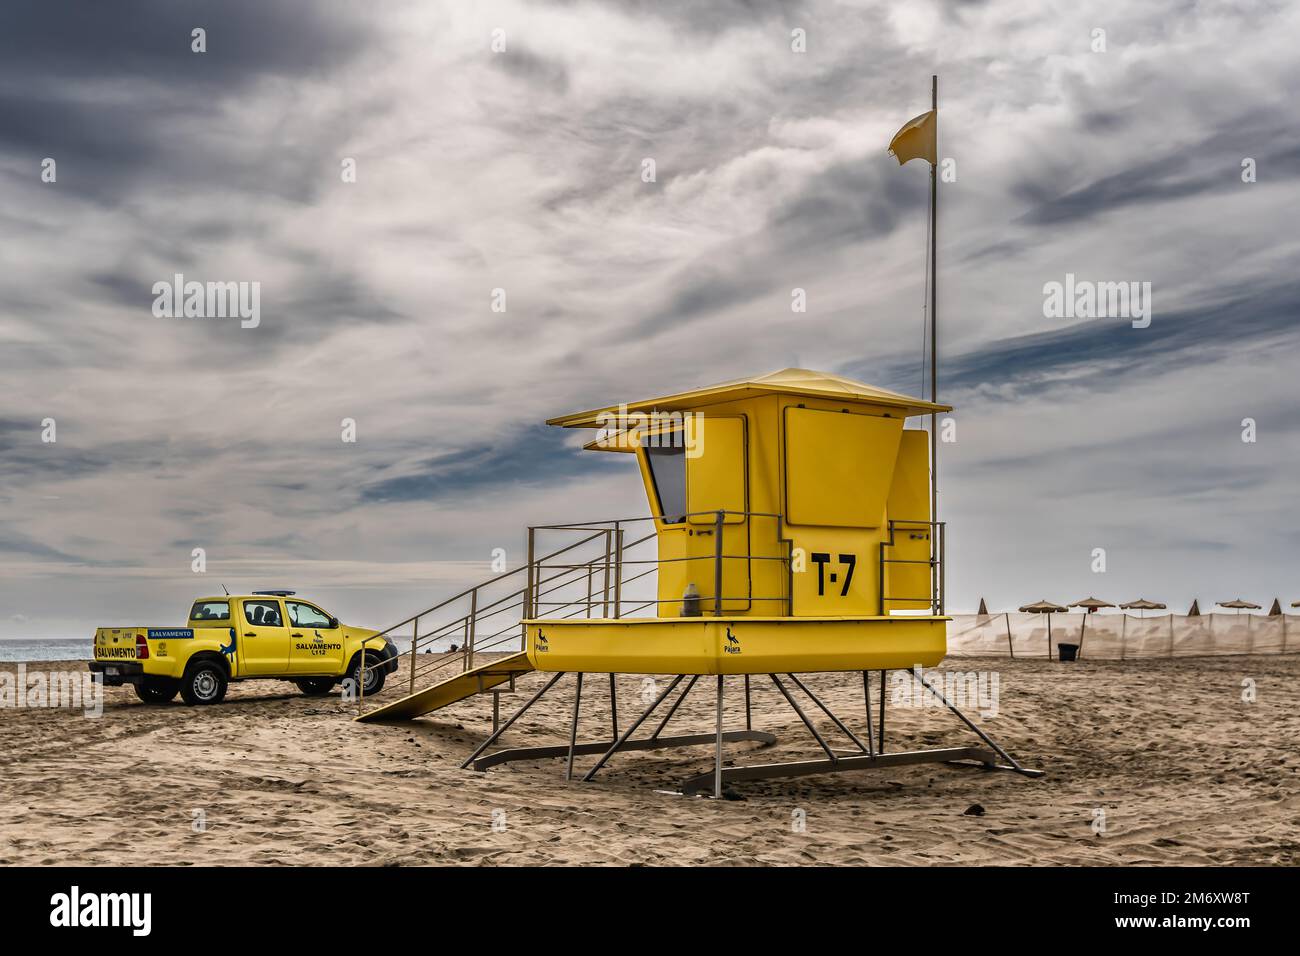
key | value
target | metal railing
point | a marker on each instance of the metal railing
(609, 571)
(624, 561)
(483, 619)
(934, 533)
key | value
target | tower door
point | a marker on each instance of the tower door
(692, 471)
(717, 481)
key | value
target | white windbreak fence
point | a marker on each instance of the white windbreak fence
(1115, 637)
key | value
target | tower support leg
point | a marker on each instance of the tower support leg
(673, 709)
(830, 754)
(866, 693)
(827, 711)
(573, 728)
(838, 762)
(631, 730)
(880, 746)
(717, 754)
(506, 726)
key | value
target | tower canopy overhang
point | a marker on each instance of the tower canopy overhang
(787, 381)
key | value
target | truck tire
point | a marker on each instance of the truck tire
(374, 673)
(204, 683)
(157, 690)
(316, 686)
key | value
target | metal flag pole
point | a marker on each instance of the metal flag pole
(934, 353)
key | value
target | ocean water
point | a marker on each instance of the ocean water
(81, 648)
(45, 649)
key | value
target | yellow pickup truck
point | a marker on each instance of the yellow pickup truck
(265, 635)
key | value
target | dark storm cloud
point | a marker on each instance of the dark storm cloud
(539, 455)
(1099, 353)
(149, 41)
(293, 310)
(1212, 165)
(1102, 354)
(23, 454)
(844, 206)
(849, 203)
(102, 87)
(534, 70)
(13, 544)
(712, 18)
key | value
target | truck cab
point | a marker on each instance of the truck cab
(268, 635)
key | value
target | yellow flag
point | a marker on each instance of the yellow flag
(916, 140)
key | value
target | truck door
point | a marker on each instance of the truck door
(316, 640)
(264, 637)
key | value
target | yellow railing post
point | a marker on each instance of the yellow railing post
(415, 639)
(473, 613)
(717, 568)
(618, 570)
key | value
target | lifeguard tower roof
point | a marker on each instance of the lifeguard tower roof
(787, 381)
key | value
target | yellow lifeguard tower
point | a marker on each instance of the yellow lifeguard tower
(789, 532)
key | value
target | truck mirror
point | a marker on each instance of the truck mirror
(334, 622)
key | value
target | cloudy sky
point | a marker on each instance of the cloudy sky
(521, 170)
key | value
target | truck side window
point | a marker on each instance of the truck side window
(304, 615)
(262, 612)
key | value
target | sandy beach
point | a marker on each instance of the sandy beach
(1184, 771)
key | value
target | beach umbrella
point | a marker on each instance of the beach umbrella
(984, 608)
(1239, 605)
(1276, 609)
(1142, 604)
(1195, 609)
(1048, 608)
(1041, 607)
(1090, 605)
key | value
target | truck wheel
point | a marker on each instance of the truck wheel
(157, 690)
(316, 686)
(203, 683)
(374, 673)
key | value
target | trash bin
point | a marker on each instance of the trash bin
(1068, 652)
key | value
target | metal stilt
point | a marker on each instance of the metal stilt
(880, 747)
(866, 693)
(717, 759)
(573, 728)
(631, 730)
(804, 717)
(837, 763)
(506, 726)
(677, 703)
(971, 724)
(749, 720)
(827, 711)
(647, 743)
(613, 706)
